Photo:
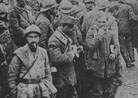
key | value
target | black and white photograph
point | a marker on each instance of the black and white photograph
(68, 48)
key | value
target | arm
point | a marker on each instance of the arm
(13, 73)
(45, 28)
(114, 31)
(14, 24)
(132, 15)
(57, 56)
(47, 68)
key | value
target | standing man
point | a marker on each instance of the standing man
(102, 51)
(90, 5)
(29, 74)
(20, 19)
(5, 48)
(45, 21)
(124, 16)
(62, 57)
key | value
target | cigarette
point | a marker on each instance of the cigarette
(34, 45)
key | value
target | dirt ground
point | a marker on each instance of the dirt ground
(129, 88)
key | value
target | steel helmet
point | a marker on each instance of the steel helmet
(87, 1)
(66, 7)
(32, 29)
(3, 10)
(47, 4)
(74, 2)
(102, 4)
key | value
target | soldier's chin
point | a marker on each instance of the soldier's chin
(33, 47)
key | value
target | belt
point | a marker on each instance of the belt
(30, 81)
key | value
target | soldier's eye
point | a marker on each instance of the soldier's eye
(101, 21)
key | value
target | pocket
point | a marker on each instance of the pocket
(22, 90)
(95, 65)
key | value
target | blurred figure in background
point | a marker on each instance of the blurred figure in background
(5, 48)
(45, 21)
(20, 18)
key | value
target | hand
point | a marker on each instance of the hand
(112, 56)
(72, 54)
(101, 31)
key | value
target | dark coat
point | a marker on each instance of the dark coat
(124, 15)
(61, 60)
(20, 19)
(98, 51)
(46, 28)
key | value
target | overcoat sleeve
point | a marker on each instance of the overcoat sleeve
(14, 24)
(57, 56)
(114, 31)
(13, 73)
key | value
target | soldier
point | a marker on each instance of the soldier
(5, 48)
(102, 50)
(45, 20)
(34, 7)
(65, 8)
(29, 74)
(20, 19)
(90, 5)
(134, 28)
(124, 16)
(62, 57)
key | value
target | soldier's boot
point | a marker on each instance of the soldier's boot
(127, 61)
(131, 53)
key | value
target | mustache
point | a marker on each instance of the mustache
(34, 44)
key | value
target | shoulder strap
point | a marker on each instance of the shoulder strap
(29, 68)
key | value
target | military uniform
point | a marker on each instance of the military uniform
(5, 48)
(36, 80)
(44, 21)
(134, 24)
(20, 19)
(124, 16)
(46, 28)
(98, 64)
(65, 77)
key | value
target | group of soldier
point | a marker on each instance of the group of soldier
(66, 48)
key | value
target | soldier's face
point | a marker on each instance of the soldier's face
(33, 39)
(101, 22)
(22, 3)
(68, 29)
(89, 5)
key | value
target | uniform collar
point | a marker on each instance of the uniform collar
(61, 36)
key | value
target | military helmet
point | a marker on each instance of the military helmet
(66, 7)
(74, 2)
(87, 1)
(68, 20)
(3, 10)
(47, 4)
(32, 29)
(102, 4)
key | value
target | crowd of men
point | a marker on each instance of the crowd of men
(65, 48)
